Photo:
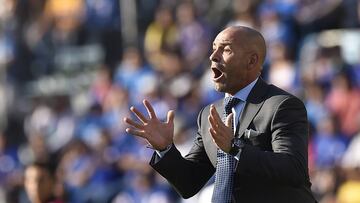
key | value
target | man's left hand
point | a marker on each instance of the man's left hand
(221, 133)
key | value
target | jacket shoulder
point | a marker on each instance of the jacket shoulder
(278, 95)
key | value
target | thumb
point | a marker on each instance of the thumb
(170, 116)
(229, 120)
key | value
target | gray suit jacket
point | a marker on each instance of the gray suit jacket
(273, 164)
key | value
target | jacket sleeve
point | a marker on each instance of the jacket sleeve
(187, 175)
(286, 164)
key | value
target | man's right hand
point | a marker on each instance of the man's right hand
(158, 134)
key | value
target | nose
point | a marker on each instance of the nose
(214, 57)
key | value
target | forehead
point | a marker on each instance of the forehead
(226, 37)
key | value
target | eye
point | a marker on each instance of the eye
(227, 50)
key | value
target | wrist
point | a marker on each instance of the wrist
(166, 148)
(236, 146)
(159, 149)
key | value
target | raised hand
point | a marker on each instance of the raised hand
(220, 132)
(158, 134)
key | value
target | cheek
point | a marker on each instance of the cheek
(235, 68)
(234, 61)
(229, 59)
(237, 74)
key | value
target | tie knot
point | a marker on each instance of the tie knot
(230, 102)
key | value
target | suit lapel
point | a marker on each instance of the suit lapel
(252, 106)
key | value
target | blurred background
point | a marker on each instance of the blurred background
(70, 70)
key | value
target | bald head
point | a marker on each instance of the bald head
(249, 39)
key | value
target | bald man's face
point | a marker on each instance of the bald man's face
(230, 61)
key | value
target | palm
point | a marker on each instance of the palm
(158, 134)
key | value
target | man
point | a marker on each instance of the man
(39, 183)
(259, 152)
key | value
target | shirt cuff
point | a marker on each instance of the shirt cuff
(162, 153)
(237, 157)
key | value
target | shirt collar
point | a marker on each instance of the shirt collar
(244, 92)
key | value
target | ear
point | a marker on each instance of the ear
(253, 60)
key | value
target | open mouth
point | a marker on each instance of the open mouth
(217, 74)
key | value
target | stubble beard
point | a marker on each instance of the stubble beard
(220, 87)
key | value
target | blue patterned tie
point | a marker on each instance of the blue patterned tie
(224, 175)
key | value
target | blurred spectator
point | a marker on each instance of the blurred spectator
(102, 21)
(324, 185)
(115, 107)
(14, 54)
(317, 15)
(274, 29)
(349, 192)
(349, 189)
(282, 71)
(90, 126)
(100, 86)
(132, 74)
(285, 9)
(40, 184)
(145, 13)
(314, 103)
(36, 150)
(189, 104)
(75, 170)
(344, 101)
(244, 13)
(161, 34)
(105, 182)
(7, 41)
(194, 37)
(10, 169)
(351, 159)
(218, 13)
(143, 189)
(170, 65)
(326, 64)
(351, 13)
(65, 18)
(56, 122)
(278, 24)
(328, 144)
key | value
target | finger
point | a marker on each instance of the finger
(229, 120)
(213, 123)
(215, 120)
(170, 116)
(215, 114)
(136, 132)
(149, 109)
(133, 123)
(138, 114)
(213, 134)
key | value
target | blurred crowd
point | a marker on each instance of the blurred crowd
(70, 70)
